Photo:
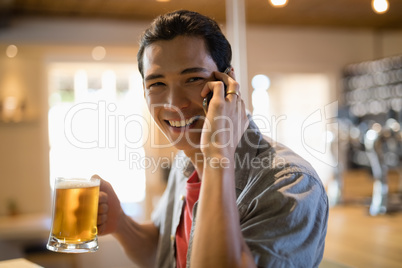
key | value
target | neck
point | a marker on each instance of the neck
(197, 159)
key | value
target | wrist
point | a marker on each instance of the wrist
(218, 161)
(121, 222)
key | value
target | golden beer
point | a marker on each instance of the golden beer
(75, 212)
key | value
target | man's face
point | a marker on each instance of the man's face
(175, 72)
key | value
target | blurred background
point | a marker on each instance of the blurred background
(322, 77)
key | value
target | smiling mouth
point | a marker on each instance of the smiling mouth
(183, 123)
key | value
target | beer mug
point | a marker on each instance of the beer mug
(75, 212)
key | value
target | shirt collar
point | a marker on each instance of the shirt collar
(249, 144)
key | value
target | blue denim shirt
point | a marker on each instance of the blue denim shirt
(283, 206)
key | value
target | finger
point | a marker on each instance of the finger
(230, 83)
(104, 185)
(103, 197)
(101, 228)
(102, 219)
(234, 93)
(234, 87)
(217, 87)
(222, 77)
(96, 176)
(103, 208)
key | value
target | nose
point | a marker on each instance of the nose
(177, 99)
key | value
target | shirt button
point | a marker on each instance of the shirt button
(172, 238)
(182, 197)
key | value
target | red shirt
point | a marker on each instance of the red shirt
(183, 230)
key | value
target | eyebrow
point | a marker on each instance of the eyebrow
(194, 70)
(185, 71)
(153, 76)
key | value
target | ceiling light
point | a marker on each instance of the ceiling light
(278, 3)
(11, 51)
(380, 6)
(260, 81)
(98, 53)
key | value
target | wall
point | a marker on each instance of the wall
(273, 50)
(23, 160)
(24, 168)
(24, 146)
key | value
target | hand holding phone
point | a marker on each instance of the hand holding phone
(208, 98)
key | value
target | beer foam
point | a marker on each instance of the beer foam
(76, 183)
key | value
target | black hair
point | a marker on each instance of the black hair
(188, 23)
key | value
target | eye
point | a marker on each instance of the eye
(195, 79)
(155, 85)
(155, 88)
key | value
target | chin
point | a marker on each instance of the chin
(185, 143)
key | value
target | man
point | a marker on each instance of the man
(240, 200)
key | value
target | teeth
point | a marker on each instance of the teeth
(183, 123)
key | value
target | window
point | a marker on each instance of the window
(96, 126)
(299, 114)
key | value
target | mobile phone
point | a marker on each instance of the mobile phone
(208, 98)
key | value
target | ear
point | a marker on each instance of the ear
(232, 73)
